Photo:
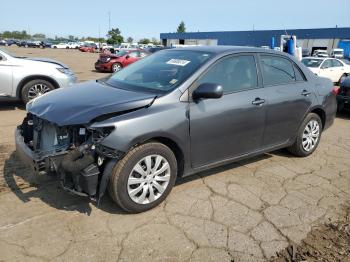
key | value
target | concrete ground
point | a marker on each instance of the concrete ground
(245, 211)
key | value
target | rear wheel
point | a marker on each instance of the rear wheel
(35, 88)
(143, 178)
(116, 67)
(308, 137)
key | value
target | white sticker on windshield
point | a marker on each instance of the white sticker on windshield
(178, 62)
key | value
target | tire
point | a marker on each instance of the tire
(116, 67)
(342, 78)
(55, 47)
(27, 90)
(297, 148)
(124, 170)
(67, 47)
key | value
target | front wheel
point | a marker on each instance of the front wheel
(143, 178)
(116, 67)
(308, 137)
(35, 88)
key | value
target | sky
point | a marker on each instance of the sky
(140, 19)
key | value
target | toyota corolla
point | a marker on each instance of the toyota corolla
(173, 114)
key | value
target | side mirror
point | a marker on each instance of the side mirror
(207, 91)
(324, 67)
(127, 57)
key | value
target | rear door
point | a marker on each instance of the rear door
(232, 125)
(288, 98)
(6, 70)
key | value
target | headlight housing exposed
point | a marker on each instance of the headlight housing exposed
(98, 134)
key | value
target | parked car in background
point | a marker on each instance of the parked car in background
(73, 45)
(305, 52)
(175, 113)
(337, 53)
(343, 96)
(29, 43)
(320, 53)
(60, 46)
(332, 68)
(88, 47)
(115, 62)
(27, 78)
(2, 42)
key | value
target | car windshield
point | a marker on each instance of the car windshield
(309, 62)
(160, 72)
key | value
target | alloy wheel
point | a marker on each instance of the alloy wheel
(37, 90)
(311, 135)
(116, 67)
(148, 179)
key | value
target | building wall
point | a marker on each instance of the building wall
(324, 37)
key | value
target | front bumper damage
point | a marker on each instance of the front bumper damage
(73, 154)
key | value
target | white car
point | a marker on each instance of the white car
(320, 53)
(332, 68)
(27, 78)
(73, 45)
(61, 46)
(337, 53)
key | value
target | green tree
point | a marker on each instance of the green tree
(181, 28)
(114, 36)
(130, 39)
(144, 41)
(39, 35)
(155, 41)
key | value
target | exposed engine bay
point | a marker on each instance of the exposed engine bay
(73, 153)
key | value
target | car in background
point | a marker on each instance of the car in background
(305, 52)
(337, 53)
(332, 68)
(115, 62)
(2, 42)
(343, 97)
(27, 78)
(155, 49)
(173, 114)
(60, 46)
(89, 48)
(29, 43)
(320, 53)
(73, 45)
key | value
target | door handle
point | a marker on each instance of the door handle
(258, 101)
(305, 93)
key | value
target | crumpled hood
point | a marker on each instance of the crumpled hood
(47, 60)
(83, 102)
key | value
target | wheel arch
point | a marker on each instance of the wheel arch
(25, 80)
(173, 146)
(321, 113)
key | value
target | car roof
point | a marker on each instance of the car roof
(224, 49)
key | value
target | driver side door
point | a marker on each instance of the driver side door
(233, 125)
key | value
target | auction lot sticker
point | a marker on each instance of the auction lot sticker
(178, 62)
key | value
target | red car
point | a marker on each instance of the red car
(115, 62)
(91, 48)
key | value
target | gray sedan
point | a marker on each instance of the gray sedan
(27, 78)
(173, 114)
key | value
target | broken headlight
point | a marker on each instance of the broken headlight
(98, 134)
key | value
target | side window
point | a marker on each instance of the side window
(234, 73)
(336, 63)
(299, 76)
(276, 70)
(327, 64)
(133, 54)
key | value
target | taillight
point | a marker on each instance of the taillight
(336, 90)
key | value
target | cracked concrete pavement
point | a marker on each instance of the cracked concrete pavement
(245, 211)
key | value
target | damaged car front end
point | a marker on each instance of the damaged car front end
(74, 153)
(68, 145)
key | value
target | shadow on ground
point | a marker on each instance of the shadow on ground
(20, 179)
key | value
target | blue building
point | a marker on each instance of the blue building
(322, 38)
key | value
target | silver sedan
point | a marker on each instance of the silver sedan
(27, 78)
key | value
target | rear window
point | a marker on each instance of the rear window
(276, 70)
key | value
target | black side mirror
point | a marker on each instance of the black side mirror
(207, 91)
(127, 57)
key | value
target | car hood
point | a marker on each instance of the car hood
(84, 102)
(47, 60)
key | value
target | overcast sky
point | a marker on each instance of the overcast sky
(149, 18)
